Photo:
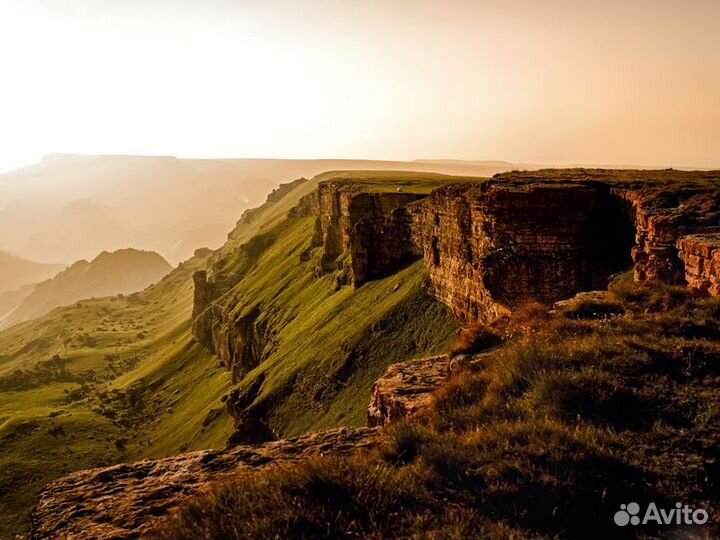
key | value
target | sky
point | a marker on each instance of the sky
(552, 81)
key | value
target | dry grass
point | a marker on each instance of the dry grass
(543, 439)
(474, 338)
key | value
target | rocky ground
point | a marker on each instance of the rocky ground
(124, 501)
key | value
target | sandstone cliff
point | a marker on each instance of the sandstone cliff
(546, 235)
(488, 247)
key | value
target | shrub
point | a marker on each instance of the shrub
(404, 442)
(474, 338)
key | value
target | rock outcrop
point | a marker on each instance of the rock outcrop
(238, 341)
(700, 253)
(124, 501)
(372, 228)
(406, 389)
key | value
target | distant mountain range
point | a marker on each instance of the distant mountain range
(71, 207)
(121, 272)
(16, 271)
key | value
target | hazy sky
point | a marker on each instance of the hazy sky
(547, 81)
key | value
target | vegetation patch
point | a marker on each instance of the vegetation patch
(543, 438)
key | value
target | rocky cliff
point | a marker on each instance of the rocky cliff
(488, 247)
(523, 237)
(372, 228)
(700, 254)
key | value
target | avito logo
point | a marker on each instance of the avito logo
(682, 514)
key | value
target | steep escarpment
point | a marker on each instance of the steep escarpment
(494, 247)
(303, 348)
(488, 248)
(372, 228)
(544, 236)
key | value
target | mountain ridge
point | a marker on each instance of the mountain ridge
(121, 272)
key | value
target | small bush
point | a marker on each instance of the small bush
(404, 442)
(474, 338)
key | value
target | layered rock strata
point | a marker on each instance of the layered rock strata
(494, 247)
(372, 228)
(406, 388)
(700, 254)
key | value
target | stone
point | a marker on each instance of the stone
(700, 254)
(125, 501)
(406, 389)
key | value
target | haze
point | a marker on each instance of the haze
(556, 82)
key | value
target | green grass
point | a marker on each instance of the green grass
(543, 438)
(133, 384)
(116, 379)
(328, 345)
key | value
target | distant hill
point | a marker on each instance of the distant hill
(120, 272)
(71, 207)
(16, 271)
(10, 300)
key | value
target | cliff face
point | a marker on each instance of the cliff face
(238, 341)
(491, 247)
(700, 253)
(542, 237)
(494, 247)
(372, 228)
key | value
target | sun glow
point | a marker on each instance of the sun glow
(400, 80)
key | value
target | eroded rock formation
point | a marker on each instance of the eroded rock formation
(406, 388)
(492, 247)
(372, 228)
(700, 253)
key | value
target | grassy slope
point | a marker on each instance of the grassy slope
(604, 403)
(328, 346)
(128, 388)
(131, 383)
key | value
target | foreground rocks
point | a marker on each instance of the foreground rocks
(124, 501)
(406, 388)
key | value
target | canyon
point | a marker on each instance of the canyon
(484, 249)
